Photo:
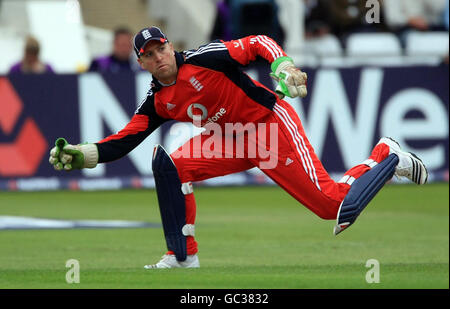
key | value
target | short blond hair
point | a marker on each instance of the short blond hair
(32, 45)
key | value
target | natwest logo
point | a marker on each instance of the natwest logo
(22, 156)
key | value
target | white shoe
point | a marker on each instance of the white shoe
(170, 261)
(409, 165)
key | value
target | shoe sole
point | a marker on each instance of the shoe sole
(156, 267)
(418, 168)
(164, 265)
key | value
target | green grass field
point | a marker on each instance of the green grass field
(251, 237)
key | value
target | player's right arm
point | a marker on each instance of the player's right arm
(291, 80)
(142, 124)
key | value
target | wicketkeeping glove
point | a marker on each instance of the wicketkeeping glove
(69, 157)
(291, 80)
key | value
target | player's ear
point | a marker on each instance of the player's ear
(171, 48)
(141, 64)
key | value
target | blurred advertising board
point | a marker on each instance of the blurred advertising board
(345, 113)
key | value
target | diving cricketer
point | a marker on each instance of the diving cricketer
(207, 87)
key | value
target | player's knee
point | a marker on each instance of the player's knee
(328, 216)
(327, 212)
(183, 171)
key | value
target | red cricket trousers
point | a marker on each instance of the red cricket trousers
(291, 163)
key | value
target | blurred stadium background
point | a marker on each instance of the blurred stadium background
(376, 68)
(373, 71)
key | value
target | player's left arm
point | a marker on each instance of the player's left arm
(291, 80)
(88, 155)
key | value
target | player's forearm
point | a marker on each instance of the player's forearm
(267, 48)
(115, 149)
(121, 143)
(65, 156)
(247, 49)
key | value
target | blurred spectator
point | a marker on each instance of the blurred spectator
(239, 18)
(446, 16)
(317, 18)
(349, 16)
(221, 29)
(422, 15)
(30, 63)
(122, 58)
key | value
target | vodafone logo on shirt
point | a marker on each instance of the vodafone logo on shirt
(196, 109)
(199, 112)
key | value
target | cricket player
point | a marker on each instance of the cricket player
(207, 87)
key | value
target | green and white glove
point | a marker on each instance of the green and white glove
(291, 80)
(65, 156)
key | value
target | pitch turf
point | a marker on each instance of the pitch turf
(253, 237)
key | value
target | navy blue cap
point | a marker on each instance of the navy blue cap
(146, 35)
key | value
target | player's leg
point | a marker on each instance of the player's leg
(171, 199)
(300, 172)
(208, 163)
(367, 179)
(211, 163)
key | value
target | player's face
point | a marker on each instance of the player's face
(158, 58)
